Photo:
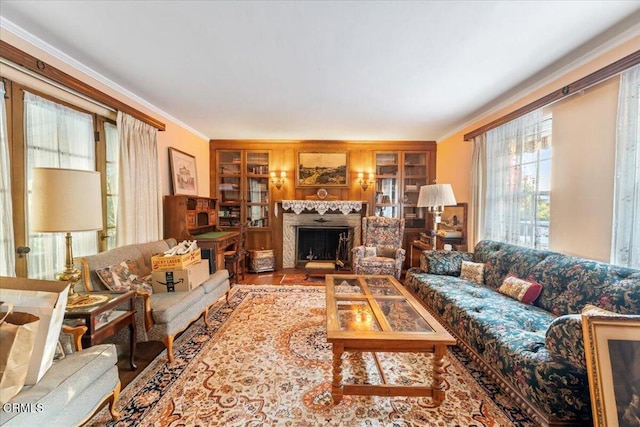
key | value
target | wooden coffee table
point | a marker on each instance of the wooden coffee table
(367, 313)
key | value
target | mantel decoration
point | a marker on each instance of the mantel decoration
(318, 169)
(184, 177)
(321, 206)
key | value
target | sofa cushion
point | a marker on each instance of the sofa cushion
(473, 272)
(215, 280)
(167, 305)
(519, 289)
(370, 251)
(68, 378)
(448, 263)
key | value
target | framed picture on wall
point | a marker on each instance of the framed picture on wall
(184, 177)
(612, 347)
(322, 169)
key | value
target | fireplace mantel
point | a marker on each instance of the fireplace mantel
(321, 206)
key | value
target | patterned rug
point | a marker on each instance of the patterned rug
(300, 279)
(265, 361)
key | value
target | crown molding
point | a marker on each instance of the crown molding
(21, 33)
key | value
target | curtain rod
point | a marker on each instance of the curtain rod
(581, 84)
(57, 85)
(37, 66)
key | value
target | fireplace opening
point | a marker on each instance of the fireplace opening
(317, 244)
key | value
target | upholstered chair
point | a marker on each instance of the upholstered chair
(381, 251)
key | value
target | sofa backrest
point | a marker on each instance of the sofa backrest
(139, 253)
(568, 283)
(501, 259)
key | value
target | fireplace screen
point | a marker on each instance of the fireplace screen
(326, 243)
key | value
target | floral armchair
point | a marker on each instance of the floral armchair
(381, 251)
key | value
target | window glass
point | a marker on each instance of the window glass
(518, 181)
(60, 137)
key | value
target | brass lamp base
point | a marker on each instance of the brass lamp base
(71, 273)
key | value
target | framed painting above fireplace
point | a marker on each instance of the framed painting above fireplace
(322, 169)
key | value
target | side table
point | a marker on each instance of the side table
(417, 246)
(104, 314)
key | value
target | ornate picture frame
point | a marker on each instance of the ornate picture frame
(612, 349)
(184, 175)
(322, 169)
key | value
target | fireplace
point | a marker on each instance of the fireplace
(318, 244)
(328, 223)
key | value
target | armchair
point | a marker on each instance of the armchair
(381, 251)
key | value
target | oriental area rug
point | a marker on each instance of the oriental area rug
(264, 361)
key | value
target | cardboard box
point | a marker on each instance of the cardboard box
(46, 299)
(175, 262)
(180, 280)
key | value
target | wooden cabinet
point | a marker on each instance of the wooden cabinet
(185, 216)
(243, 188)
(399, 176)
(242, 184)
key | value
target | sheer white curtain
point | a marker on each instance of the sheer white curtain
(625, 248)
(139, 217)
(518, 181)
(478, 185)
(59, 137)
(7, 242)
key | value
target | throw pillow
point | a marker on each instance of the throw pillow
(520, 289)
(370, 251)
(119, 278)
(473, 272)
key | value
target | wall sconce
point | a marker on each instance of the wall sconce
(278, 181)
(365, 184)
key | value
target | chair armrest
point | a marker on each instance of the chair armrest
(77, 332)
(400, 254)
(148, 317)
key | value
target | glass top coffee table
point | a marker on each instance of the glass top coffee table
(368, 313)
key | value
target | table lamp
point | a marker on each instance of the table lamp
(65, 201)
(435, 197)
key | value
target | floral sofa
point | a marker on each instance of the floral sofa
(381, 251)
(534, 351)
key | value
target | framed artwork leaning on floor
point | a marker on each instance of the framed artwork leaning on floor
(612, 347)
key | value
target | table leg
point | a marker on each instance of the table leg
(438, 370)
(134, 339)
(336, 385)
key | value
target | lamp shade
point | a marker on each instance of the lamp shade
(435, 195)
(65, 200)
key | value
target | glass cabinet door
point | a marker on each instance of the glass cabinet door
(387, 176)
(229, 188)
(415, 175)
(257, 189)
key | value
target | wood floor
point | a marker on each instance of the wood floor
(147, 351)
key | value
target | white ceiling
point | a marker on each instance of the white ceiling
(323, 69)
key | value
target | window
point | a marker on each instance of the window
(625, 248)
(518, 161)
(112, 149)
(47, 132)
(60, 137)
(7, 260)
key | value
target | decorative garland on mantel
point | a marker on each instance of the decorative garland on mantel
(321, 206)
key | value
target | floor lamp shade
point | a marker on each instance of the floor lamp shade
(65, 200)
